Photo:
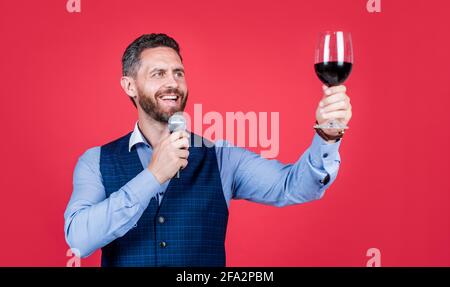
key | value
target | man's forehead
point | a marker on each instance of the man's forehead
(160, 56)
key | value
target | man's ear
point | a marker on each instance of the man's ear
(129, 86)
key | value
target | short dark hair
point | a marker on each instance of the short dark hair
(132, 55)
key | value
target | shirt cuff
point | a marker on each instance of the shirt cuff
(144, 187)
(325, 159)
(323, 153)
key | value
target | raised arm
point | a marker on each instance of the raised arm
(271, 182)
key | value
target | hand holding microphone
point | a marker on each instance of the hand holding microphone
(172, 151)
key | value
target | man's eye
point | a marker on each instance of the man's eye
(158, 74)
(180, 74)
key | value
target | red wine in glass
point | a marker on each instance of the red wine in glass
(333, 73)
(333, 64)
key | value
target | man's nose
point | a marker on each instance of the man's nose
(171, 81)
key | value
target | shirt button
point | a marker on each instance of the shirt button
(162, 244)
(325, 155)
(161, 219)
(325, 180)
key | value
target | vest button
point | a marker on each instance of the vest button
(161, 219)
(162, 244)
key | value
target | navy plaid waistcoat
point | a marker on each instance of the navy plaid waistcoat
(187, 229)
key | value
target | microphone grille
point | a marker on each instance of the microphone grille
(177, 122)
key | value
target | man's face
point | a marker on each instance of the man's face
(160, 83)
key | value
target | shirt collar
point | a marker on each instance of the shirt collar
(136, 138)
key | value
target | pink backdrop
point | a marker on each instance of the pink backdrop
(61, 95)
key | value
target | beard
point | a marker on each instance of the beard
(152, 107)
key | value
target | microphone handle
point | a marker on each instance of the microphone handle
(178, 172)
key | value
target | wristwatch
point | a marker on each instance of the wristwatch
(327, 137)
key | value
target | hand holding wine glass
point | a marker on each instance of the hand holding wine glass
(333, 64)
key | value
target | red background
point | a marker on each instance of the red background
(60, 95)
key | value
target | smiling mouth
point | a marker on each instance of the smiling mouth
(171, 99)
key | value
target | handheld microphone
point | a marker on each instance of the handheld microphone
(177, 122)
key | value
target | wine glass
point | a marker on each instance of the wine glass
(333, 64)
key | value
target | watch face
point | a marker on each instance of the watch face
(327, 137)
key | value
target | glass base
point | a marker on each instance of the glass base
(333, 124)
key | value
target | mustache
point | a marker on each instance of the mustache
(173, 91)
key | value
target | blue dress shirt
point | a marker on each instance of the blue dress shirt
(92, 220)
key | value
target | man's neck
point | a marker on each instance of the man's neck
(152, 130)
